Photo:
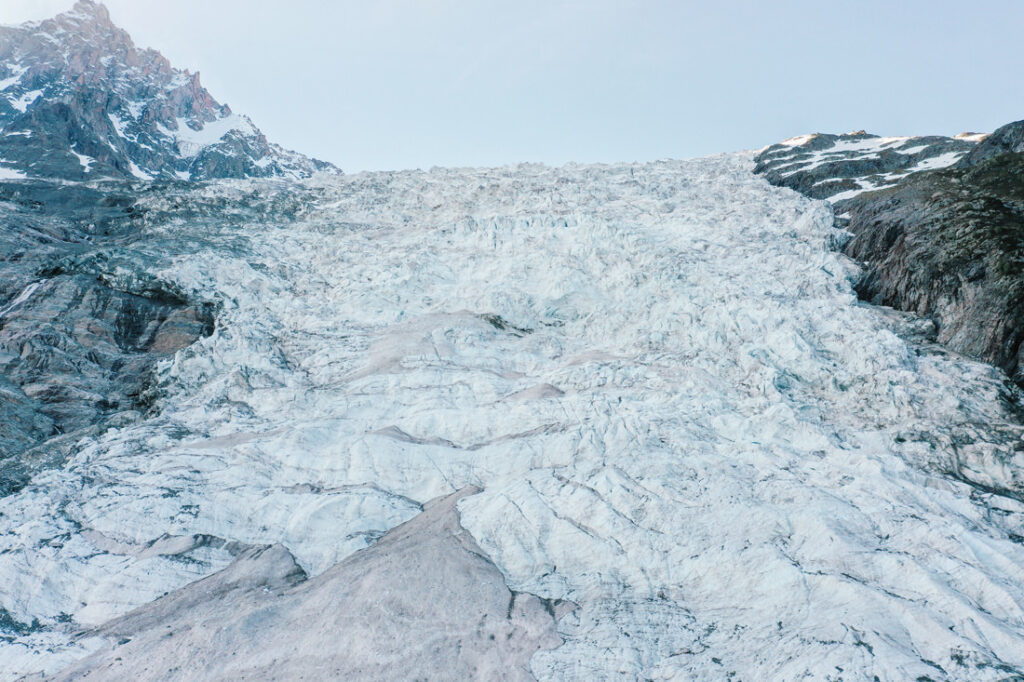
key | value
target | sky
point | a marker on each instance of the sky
(392, 84)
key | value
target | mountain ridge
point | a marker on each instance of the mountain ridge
(79, 100)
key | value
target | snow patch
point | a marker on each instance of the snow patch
(11, 174)
(86, 161)
(26, 100)
(17, 72)
(191, 142)
(25, 294)
(936, 162)
(799, 140)
(138, 172)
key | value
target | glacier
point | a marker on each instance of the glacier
(679, 416)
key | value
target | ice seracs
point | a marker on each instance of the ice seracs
(679, 416)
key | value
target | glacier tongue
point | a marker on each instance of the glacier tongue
(681, 418)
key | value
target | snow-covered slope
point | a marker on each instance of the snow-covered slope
(78, 100)
(680, 417)
(840, 167)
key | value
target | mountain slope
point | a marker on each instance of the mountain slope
(840, 167)
(79, 100)
(939, 227)
(391, 612)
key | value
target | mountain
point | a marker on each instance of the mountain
(937, 222)
(78, 100)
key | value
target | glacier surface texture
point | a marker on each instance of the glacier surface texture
(679, 417)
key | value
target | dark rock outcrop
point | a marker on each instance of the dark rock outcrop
(81, 322)
(944, 242)
(1005, 140)
(78, 100)
(423, 600)
(949, 245)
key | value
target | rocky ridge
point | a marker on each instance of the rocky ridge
(79, 101)
(679, 417)
(840, 167)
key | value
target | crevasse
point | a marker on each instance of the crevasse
(681, 418)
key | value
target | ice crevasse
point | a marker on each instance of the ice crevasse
(679, 416)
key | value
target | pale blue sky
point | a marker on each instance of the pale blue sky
(401, 84)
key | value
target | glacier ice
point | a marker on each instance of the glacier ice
(680, 417)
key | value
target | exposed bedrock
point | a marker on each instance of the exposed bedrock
(423, 599)
(946, 244)
(949, 245)
(81, 323)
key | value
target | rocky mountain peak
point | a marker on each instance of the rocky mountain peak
(87, 12)
(79, 100)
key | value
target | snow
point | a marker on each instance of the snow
(936, 162)
(865, 186)
(11, 174)
(86, 161)
(971, 137)
(136, 108)
(138, 172)
(799, 140)
(22, 103)
(684, 421)
(869, 145)
(912, 150)
(120, 126)
(25, 294)
(17, 71)
(190, 142)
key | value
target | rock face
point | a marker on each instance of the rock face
(78, 100)
(1006, 140)
(946, 244)
(82, 323)
(423, 602)
(950, 246)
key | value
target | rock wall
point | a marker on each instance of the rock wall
(81, 323)
(938, 224)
